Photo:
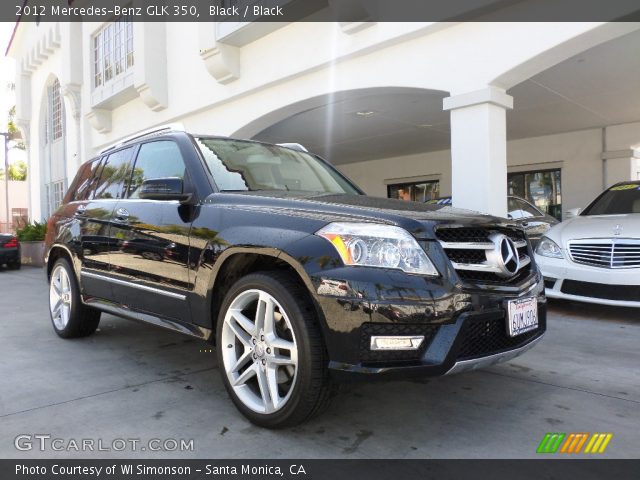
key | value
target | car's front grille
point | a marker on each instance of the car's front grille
(606, 253)
(625, 293)
(481, 338)
(368, 356)
(475, 234)
(468, 249)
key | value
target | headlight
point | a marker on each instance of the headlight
(548, 248)
(375, 245)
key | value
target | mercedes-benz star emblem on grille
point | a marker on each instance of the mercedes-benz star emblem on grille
(504, 255)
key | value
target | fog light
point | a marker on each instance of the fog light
(396, 342)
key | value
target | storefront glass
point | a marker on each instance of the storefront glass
(542, 188)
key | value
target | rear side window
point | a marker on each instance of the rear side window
(84, 183)
(159, 159)
(115, 175)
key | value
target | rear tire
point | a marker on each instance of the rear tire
(271, 353)
(69, 316)
(14, 265)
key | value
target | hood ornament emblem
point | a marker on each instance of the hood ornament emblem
(504, 255)
(617, 230)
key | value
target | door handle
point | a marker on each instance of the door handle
(122, 214)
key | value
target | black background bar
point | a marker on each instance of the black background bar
(322, 10)
(545, 468)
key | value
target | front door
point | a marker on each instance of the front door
(94, 216)
(151, 264)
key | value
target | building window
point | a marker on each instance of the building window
(55, 194)
(112, 51)
(417, 192)
(543, 188)
(53, 124)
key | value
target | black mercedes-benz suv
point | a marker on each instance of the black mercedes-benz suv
(297, 277)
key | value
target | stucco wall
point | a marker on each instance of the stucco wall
(18, 197)
(578, 154)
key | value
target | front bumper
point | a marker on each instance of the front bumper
(464, 328)
(583, 283)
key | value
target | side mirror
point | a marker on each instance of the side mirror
(170, 188)
(573, 212)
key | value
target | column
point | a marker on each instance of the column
(479, 149)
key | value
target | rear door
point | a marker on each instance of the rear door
(95, 215)
(151, 263)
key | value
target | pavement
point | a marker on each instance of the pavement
(135, 383)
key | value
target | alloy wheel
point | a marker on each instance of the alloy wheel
(60, 297)
(260, 353)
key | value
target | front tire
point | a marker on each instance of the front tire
(70, 318)
(270, 351)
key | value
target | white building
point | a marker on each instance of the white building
(447, 108)
(15, 211)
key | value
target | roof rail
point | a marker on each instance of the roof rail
(172, 127)
(293, 146)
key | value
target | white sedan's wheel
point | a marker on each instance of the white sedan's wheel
(60, 297)
(260, 354)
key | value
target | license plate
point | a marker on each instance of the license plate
(523, 316)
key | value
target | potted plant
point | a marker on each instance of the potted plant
(31, 237)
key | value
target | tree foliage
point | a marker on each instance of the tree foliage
(12, 129)
(17, 171)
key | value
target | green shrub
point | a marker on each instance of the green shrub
(32, 232)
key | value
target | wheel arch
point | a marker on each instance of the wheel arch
(56, 252)
(235, 263)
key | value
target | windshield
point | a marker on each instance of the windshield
(619, 199)
(238, 165)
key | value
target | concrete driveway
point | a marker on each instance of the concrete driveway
(132, 381)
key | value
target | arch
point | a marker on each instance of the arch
(560, 49)
(289, 110)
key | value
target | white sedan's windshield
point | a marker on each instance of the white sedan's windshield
(238, 165)
(619, 199)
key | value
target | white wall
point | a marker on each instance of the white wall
(373, 176)
(18, 198)
(578, 154)
(622, 137)
(303, 60)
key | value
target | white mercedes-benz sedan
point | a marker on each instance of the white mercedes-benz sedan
(595, 256)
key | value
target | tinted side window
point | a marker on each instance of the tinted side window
(115, 175)
(159, 159)
(85, 181)
(83, 176)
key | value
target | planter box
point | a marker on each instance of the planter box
(32, 253)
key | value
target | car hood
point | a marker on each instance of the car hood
(417, 218)
(596, 226)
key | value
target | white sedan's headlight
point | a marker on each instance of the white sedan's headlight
(375, 245)
(548, 248)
